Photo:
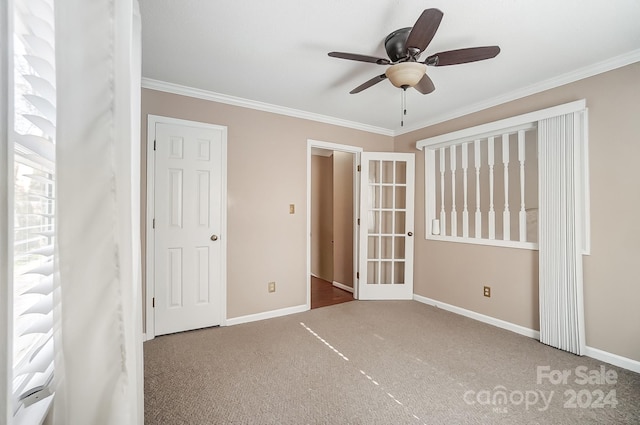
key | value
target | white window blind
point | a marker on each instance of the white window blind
(561, 231)
(33, 200)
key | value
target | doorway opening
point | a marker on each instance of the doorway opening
(332, 197)
(324, 293)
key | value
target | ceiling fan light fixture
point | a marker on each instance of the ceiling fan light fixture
(406, 74)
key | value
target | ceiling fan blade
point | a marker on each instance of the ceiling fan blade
(454, 57)
(424, 29)
(360, 58)
(371, 82)
(425, 85)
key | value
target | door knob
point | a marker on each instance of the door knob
(214, 237)
(410, 234)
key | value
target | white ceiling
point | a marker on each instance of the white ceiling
(272, 54)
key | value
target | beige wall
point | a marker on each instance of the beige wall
(455, 273)
(266, 172)
(343, 218)
(322, 217)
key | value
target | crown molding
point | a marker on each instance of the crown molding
(570, 77)
(166, 87)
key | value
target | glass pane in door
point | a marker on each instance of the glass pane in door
(387, 221)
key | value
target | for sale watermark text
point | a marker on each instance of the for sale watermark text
(594, 391)
(581, 375)
(590, 397)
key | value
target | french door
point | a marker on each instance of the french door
(386, 226)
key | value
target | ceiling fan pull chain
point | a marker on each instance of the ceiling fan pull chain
(404, 101)
(403, 106)
(402, 109)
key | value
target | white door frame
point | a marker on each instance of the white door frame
(356, 151)
(152, 120)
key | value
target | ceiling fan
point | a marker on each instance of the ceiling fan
(404, 47)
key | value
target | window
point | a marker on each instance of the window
(486, 188)
(31, 158)
(32, 216)
(481, 183)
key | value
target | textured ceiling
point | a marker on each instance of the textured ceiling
(274, 53)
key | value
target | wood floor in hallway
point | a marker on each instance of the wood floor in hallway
(324, 294)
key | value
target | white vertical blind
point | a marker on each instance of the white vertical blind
(98, 331)
(33, 200)
(560, 218)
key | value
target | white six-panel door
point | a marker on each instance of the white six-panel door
(386, 226)
(188, 225)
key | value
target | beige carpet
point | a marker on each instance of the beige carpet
(386, 362)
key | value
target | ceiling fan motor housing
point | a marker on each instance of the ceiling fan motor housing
(395, 44)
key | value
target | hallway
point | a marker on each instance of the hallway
(324, 294)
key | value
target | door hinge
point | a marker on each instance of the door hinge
(358, 168)
(153, 302)
(358, 222)
(357, 275)
(154, 145)
(154, 223)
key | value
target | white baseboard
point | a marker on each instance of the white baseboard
(594, 353)
(480, 317)
(614, 359)
(343, 286)
(266, 315)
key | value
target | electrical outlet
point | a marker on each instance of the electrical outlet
(272, 287)
(292, 208)
(487, 291)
